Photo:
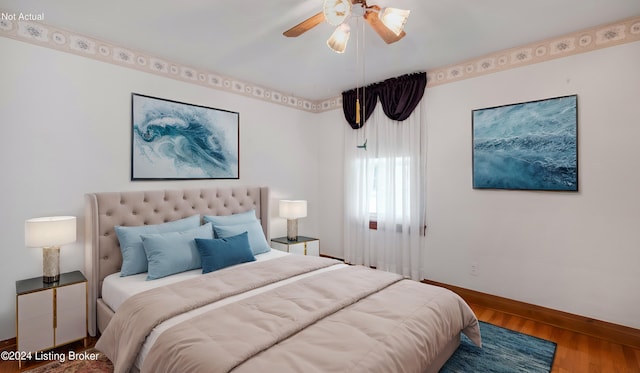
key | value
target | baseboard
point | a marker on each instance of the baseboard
(580, 324)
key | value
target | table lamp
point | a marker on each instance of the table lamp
(292, 211)
(49, 233)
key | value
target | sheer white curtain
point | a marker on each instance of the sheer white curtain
(386, 183)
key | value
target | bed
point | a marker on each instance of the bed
(279, 312)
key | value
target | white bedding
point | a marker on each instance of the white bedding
(116, 289)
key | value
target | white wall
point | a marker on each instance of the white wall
(66, 122)
(575, 252)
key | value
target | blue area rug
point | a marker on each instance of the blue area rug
(503, 351)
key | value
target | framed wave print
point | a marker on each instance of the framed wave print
(527, 146)
(173, 140)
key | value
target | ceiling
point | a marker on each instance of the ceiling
(243, 39)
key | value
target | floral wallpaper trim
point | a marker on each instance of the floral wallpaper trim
(51, 37)
(621, 32)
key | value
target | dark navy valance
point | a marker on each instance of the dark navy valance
(398, 97)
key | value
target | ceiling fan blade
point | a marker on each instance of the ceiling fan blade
(387, 35)
(304, 26)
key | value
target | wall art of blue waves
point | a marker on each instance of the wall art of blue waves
(173, 140)
(528, 146)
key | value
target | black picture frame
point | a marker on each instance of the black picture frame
(527, 146)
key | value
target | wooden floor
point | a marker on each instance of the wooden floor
(576, 353)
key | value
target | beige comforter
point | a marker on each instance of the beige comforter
(138, 315)
(352, 319)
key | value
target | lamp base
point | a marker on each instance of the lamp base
(292, 229)
(50, 264)
(50, 279)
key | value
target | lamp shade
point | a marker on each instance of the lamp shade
(336, 11)
(338, 40)
(291, 209)
(394, 19)
(49, 231)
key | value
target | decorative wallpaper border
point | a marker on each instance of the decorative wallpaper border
(38, 33)
(44, 35)
(621, 32)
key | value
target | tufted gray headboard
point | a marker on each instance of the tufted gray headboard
(106, 210)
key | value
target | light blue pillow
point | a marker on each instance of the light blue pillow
(134, 259)
(257, 242)
(243, 217)
(220, 253)
(174, 252)
(232, 225)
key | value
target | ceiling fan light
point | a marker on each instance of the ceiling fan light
(338, 40)
(394, 19)
(336, 11)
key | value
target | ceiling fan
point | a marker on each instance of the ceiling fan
(388, 23)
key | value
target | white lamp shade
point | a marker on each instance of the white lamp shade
(394, 19)
(339, 38)
(50, 231)
(336, 11)
(291, 209)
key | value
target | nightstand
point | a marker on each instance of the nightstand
(304, 245)
(51, 315)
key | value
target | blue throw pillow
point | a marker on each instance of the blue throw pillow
(220, 253)
(174, 252)
(232, 225)
(134, 259)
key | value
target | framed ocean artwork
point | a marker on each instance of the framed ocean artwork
(173, 140)
(527, 146)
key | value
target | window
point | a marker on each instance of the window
(389, 189)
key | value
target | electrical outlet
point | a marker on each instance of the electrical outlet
(474, 269)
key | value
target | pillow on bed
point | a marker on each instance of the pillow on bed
(134, 259)
(174, 252)
(232, 225)
(220, 253)
(240, 218)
